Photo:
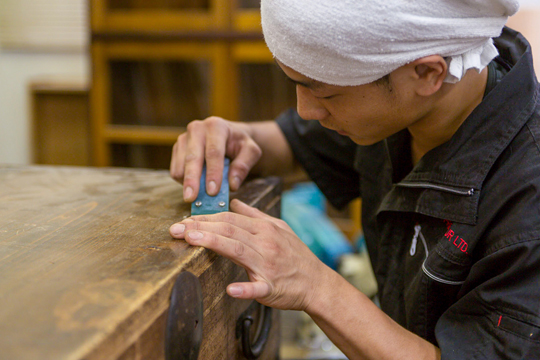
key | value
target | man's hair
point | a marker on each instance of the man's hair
(385, 82)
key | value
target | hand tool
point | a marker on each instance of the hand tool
(206, 204)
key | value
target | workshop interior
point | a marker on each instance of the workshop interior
(113, 83)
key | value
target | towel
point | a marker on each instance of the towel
(355, 42)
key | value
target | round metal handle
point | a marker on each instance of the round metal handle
(255, 349)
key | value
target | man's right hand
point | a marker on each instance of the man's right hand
(212, 140)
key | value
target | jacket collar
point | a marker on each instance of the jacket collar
(462, 163)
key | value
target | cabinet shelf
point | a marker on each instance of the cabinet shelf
(152, 15)
(136, 134)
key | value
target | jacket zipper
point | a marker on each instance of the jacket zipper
(448, 189)
(417, 229)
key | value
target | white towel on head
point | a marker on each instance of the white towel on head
(355, 42)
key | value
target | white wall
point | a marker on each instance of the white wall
(526, 4)
(17, 69)
(527, 22)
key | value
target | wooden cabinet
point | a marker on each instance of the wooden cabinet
(60, 124)
(88, 268)
(145, 93)
(157, 65)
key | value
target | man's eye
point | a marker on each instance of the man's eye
(326, 97)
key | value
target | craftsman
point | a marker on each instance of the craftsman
(428, 111)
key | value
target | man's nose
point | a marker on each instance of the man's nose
(308, 106)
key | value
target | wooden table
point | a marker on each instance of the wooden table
(87, 265)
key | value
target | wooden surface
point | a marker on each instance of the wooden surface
(87, 265)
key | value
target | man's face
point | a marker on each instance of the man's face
(365, 113)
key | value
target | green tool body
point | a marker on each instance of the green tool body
(206, 204)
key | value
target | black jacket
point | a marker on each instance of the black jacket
(454, 240)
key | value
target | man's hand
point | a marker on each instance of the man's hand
(211, 140)
(285, 274)
(282, 270)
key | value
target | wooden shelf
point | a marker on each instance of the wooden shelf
(139, 18)
(247, 20)
(151, 135)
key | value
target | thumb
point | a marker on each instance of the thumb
(249, 290)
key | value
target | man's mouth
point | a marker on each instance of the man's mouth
(340, 132)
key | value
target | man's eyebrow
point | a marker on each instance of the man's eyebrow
(310, 84)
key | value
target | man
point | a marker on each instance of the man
(438, 131)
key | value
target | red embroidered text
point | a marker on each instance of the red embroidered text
(457, 241)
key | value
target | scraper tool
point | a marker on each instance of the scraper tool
(206, 204)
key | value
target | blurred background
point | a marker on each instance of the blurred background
(114, 82)
(209, 56)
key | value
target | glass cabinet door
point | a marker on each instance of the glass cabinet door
(159, 93)
(264, 92)
(164, 94)
(145, 94)
(263, 89)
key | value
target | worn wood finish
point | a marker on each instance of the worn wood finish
(87, 265)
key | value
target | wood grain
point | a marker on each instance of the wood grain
(87, 265)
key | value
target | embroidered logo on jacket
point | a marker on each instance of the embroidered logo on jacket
(454, 238)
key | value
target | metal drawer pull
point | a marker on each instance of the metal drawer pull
(184, 328)
(253, 351)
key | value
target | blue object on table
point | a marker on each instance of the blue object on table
(303, 210)
(206, 204)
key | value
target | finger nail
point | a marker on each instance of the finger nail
(188, 191)
(236, 291)
(235, 182)
(195, 235)
(212, 187)
(236, 202)
(178, 229)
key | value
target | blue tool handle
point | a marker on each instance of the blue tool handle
(206, 204)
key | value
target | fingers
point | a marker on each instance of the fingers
(224, 239)
(216, 140)
(211, 140)
(193, 159)
(243, 209)
(177, 159)
(249, 290)
(223, 221)
(278, 264)
(181, 229)
(247, 154)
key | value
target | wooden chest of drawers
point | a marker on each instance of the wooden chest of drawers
(87, 268)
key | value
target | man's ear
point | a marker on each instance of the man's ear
(429, 74)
